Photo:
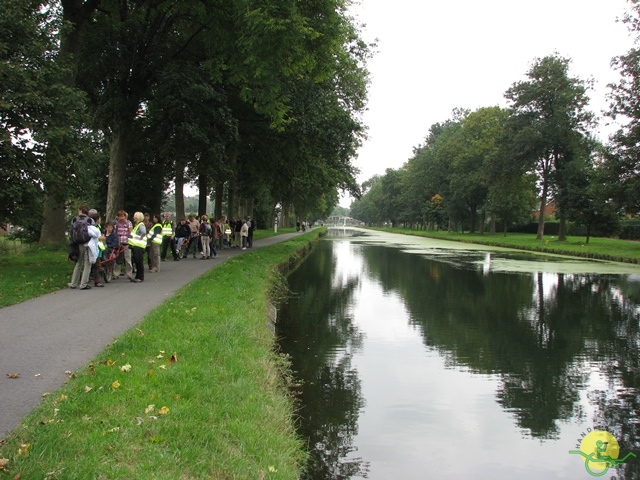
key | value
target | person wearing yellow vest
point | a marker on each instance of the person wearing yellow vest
(154, 239)
(168, 239)
(138, 242)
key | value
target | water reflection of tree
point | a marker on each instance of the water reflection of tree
(317, 331)
(538, 333)
(618, 407)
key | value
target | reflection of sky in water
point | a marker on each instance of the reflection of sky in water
(425, 418)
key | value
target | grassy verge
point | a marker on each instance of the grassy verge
(194, 391)
(598, 248)
(29, 271)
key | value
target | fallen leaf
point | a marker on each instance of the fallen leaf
(174, 358)
(24, 450)
(113, 430)
(163, 411)
(140, 420)
(115, 384)
(272, 469)
(125, 368)
(149, 408)
(13, 375)
(3, 464)
(37, 374)
(111, 362)
(150, 372)
(87, 389)
(62, 398)
(160, 356)
(163, 367)
(70, 374)
(140, 332)
(176, 398)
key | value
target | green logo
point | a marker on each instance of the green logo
(600, 451)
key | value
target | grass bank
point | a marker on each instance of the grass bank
(29, 271)
(194, 391)
(598, 248)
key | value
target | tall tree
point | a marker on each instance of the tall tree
(623, 162)
(62, 153)
(549, 110)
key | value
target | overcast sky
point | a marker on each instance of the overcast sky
(437, 55)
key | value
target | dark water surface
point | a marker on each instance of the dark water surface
(422, 359)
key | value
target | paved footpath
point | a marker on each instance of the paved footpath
(43, 338)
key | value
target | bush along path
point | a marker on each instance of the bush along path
(195, 390)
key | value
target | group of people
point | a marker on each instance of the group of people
(126, 242)
(205, 236)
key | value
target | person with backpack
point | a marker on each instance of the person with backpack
(79, 238)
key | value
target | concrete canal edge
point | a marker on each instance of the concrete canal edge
(279, 290)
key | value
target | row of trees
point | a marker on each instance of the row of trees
(112, 101)
(496, 165)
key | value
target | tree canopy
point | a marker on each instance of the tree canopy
(257, 102)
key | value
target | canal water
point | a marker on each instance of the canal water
(424, 359)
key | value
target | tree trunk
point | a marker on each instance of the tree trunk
(218, 201)
(54, 214)
(203, 193)
(231, 202)
(543, 205)
(562, 230)
(492, 224)
(119, 151)
(285, 214)
(179, 195)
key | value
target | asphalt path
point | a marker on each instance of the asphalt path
(45, 337)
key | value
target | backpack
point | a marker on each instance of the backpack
(207, 229)
(79, 234)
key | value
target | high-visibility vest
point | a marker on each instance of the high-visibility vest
(101, 245)
(135, 240)
(167, 229)
(152, 237)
